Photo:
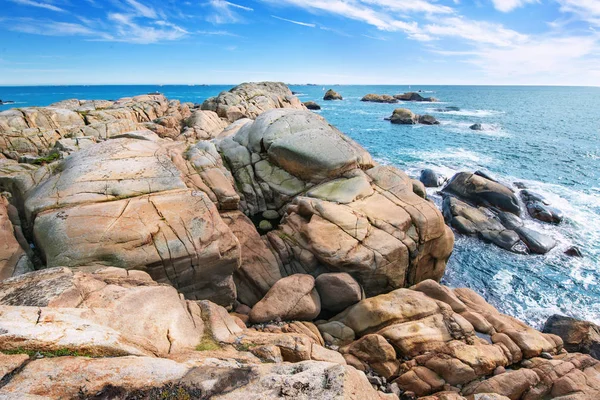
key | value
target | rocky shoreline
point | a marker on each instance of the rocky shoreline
(246, 248)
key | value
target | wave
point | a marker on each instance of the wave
(468, 113)
(494, 130)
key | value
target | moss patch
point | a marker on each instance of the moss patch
(208, 344)
(46, 159)
(47, 353)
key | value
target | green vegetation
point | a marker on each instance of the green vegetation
(208, 344)
(46, 159)
(47, 353)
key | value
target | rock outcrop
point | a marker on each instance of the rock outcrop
(311, 105)
(379, 98)
(332, 95)
(404, 116)
(578, 336)
(414, 96)
(249, 100)
(475, 204)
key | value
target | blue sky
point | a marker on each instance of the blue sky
(548, 42)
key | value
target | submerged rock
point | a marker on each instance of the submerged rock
(476, 127)
(311, 105)
(574, 251)
(332, 95)
(428, 120)
(448, 109)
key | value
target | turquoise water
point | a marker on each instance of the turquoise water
(546, 137)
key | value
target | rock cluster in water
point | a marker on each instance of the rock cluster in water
(132, 265)
(404, 116)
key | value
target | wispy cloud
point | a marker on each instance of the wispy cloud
(586, 10)
(217, 33)
(376, 38)
(295, 22)
(127, 30)
(239, 6)
(509, 5)
(50, 28)
(224, 12)
(38, 4)
(142, 10)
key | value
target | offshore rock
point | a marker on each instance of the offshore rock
(332, 95)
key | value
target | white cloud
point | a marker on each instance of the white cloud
(223, 12)
(587, 10)
(239, 6)
(127, 30)
(509, 5)
(217, 33)
(142, 10)
(38, 5)
(411, 6)
(551, 58)
(475, 31)
(295, 22)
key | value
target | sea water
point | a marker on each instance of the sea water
(545, 137)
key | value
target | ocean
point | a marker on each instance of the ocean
(546, 137)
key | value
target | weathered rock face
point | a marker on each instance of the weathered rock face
(413, 96)
(249, 100)
(93, 313)
(380, 232)
(284, 153)
(203, 125)
(578, 336)
(13, 246)
(377, 98)
(259, 270)
(35, 130)
(332, 95)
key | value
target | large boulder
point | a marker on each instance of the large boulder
(577, 335)
(311, 105)
(291, 298)
(338, 291)
(249, 100)
(481, 191)
(332, 95)
(203, 125)
(404, 116)
(430, 178)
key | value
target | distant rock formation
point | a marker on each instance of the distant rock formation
(332, 95)
(404, 116)
(377, 98)
(414, 96)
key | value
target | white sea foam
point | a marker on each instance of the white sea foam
(468, 113)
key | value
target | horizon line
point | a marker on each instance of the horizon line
(292, 84)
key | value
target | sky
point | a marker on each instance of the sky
(480, 42)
